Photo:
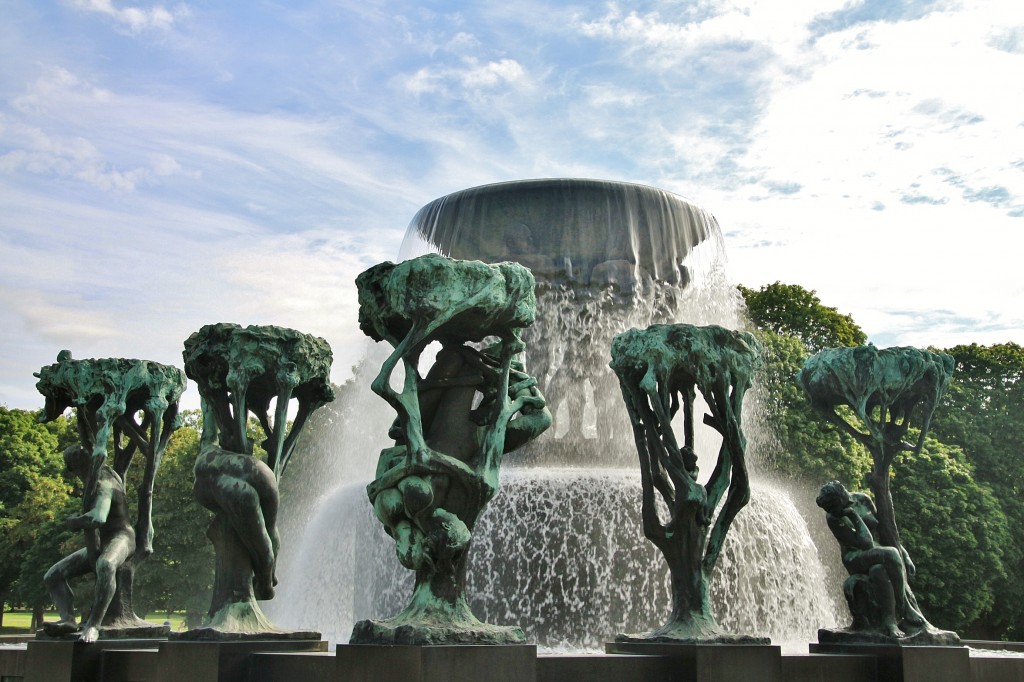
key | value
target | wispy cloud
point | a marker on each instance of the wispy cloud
(133, 18)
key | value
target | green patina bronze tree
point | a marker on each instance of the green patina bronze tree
(241, 371)
(875, 396)
(660, 369)
(135, 404)
(453, 427)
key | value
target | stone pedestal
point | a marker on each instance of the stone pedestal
(223, 661)
(130, 665)
(598, 668)
(283, 665)
(909, 663)
(74, 661)
(830, 667)
(12, 659)
(436, 663)
(713, 662)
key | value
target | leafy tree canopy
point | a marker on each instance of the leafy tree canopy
(179, 575)
(804, 446)
(982, 412)
(32, 483)
(955, 532)
(791, 309)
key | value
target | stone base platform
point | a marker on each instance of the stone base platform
(13, 656)
(713, 662)
(909, 663)
(284, 666)
(69, 660)
(223, 661)
(290, 661)
(436, 663)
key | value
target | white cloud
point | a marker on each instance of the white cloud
(135, 19)
(470, 75)
(39, 153)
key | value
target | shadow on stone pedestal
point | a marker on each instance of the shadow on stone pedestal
(130, 665)
(598, 668)
(222, 661)
(73, 661)
(713, 662)
(909, 663)
(436, 663)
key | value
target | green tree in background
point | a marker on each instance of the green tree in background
(955, 532)
(790, 309)
(961, 503)
(36, 499)
(792, 323)
(32, 488)
(52, 540)
(983, 413)
(179, 575)
(808, 448)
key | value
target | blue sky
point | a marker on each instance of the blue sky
(164, 165)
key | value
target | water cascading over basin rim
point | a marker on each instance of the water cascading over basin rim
(587, 232)
(606, 256)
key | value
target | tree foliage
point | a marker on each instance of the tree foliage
(805, 447)
(959, 503)
(32, 486)
(179, 575)
(36, 499)
(955, 532)
(789, 309)
(983, 413)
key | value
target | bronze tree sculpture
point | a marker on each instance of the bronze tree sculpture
(876, 396)
(660, 370)
(242, 371)
(453, 428)
(134, 403)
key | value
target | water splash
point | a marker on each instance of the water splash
(560, 553)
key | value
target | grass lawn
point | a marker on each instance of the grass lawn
(18, 622)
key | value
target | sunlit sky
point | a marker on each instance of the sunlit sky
(164, 165)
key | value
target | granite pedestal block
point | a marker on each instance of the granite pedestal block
(829, 668)
(129, 665)
(598, 668)
(909, 663)
(997, 669)
(229, 661)
(58, 660)
(280, 666)
(12, 661)
(713, 662)
(436, 663)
